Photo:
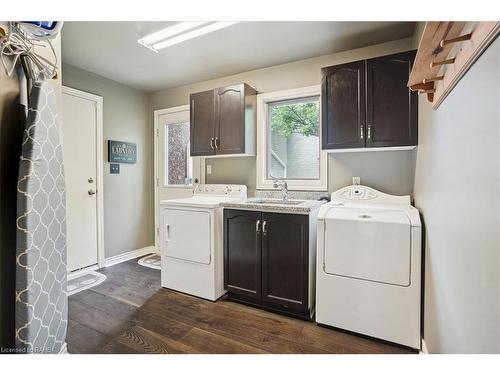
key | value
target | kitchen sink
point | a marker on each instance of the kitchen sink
(263, 201)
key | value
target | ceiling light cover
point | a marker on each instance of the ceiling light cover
(179, 33)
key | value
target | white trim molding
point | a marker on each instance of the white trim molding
(262, 113)
(424, 349)
(120, 258)
(98, 100)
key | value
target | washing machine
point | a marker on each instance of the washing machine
(191, 241)
(368, 277)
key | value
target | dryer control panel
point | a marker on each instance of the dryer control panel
(222, 190)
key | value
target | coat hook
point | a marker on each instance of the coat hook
(442, 62)
(460, 38)
(437, 78)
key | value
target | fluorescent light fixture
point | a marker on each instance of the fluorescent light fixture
(179, 33)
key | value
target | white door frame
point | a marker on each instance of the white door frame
(156, 132)
(98, 102)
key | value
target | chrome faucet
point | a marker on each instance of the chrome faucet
(277, 183)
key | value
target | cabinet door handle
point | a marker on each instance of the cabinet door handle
(257, 226)
(217, 144)
(212, 143)
(264, 227)
(369, 135)
(362, 132)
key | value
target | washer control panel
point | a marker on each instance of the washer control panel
(355, 192)
(366, 195)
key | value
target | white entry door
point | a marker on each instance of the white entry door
(80, 126)
(176, 172)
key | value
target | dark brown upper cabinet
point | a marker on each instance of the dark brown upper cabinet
(202, 123)
(391, 108)
(223, 121)
(343, 107)
(368, 104)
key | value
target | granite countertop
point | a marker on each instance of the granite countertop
(274, 205)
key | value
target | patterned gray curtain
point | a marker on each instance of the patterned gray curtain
(41, 299)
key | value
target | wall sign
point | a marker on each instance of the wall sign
(122, 152)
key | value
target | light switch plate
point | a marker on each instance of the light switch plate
(209, 169)
(356, 180)
(114, 168)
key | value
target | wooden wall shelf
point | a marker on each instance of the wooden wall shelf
(445, 53)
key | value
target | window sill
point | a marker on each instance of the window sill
(315, 185)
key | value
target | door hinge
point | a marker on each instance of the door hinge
(158, 232)
(157, 181)
(157, 132)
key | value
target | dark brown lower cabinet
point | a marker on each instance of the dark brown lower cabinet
(266, 260)
(242, 253)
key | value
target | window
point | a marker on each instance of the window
(289, 139)
(178, 164)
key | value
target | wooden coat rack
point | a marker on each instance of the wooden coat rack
(445, 53)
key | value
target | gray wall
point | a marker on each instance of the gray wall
(389, 171)
(128, 196)
(457, 191)
(397, 176)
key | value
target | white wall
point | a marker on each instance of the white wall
(128, 196)
(457, 189)
(397, 175)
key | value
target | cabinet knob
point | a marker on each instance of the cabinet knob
(369, 135)
(264, 227)
(216, 143)
(212, 143)
(362, 132)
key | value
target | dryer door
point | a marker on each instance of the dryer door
(368, 244)
(187, 234)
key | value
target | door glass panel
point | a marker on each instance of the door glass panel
(178, 163)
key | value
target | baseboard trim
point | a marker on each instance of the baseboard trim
(64, 349)
(424, 348)
(111, 261)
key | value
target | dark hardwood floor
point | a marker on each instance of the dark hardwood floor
(131, 313)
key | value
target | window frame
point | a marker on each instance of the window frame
(263, 182)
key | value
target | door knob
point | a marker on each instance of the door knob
(91, 192)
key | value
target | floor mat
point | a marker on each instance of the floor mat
(85, 281)
(151, 261)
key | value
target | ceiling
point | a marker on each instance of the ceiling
(110, 49)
